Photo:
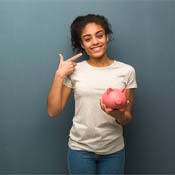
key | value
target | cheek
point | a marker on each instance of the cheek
(105, 41)
(85, 46)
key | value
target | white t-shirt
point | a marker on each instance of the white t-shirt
(93, 129)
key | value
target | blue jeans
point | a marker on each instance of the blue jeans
(89, 163)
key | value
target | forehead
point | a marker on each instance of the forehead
(91, 28)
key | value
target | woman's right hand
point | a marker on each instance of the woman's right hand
(68, 66)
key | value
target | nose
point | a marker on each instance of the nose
(94, 41)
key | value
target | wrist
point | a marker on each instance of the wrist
(59, 75)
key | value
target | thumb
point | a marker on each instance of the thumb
(127, 102)
(61, 58)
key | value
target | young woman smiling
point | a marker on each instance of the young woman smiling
(96, 144)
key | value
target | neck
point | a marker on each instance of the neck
(100, 62)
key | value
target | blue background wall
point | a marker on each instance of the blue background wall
(33, 32)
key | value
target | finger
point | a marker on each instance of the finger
(100, 101)
(108, 110)
(61, 58)
(74, 64)
(101, 104)
(104, 107)
(127, 102)
(75, 57)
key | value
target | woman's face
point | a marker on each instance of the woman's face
(94, 40)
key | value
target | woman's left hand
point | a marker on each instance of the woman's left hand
(113, 112)
(121, 117)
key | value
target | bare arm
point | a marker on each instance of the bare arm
(58, 96)
(125, 117)
(59, 93)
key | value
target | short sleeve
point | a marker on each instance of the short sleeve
(67, 82)
(132, 83)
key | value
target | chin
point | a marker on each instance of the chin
(96, 55)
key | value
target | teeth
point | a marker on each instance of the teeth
(96, 49)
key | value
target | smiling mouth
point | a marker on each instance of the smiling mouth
(96, 48)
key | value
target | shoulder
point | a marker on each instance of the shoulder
(125, 66)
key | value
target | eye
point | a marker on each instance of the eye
(87, 39)
(100, 36)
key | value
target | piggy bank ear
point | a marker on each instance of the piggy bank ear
(124, 90)
(109, 90)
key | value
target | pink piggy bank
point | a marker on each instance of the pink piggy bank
(114, 98)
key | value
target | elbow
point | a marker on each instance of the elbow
(53, 114)
(53, 110)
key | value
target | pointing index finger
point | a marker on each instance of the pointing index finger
(75, 57)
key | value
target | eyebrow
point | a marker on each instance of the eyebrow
(90, 34)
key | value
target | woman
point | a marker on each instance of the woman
(96, 144)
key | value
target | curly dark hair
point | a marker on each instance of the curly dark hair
(80, 22)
